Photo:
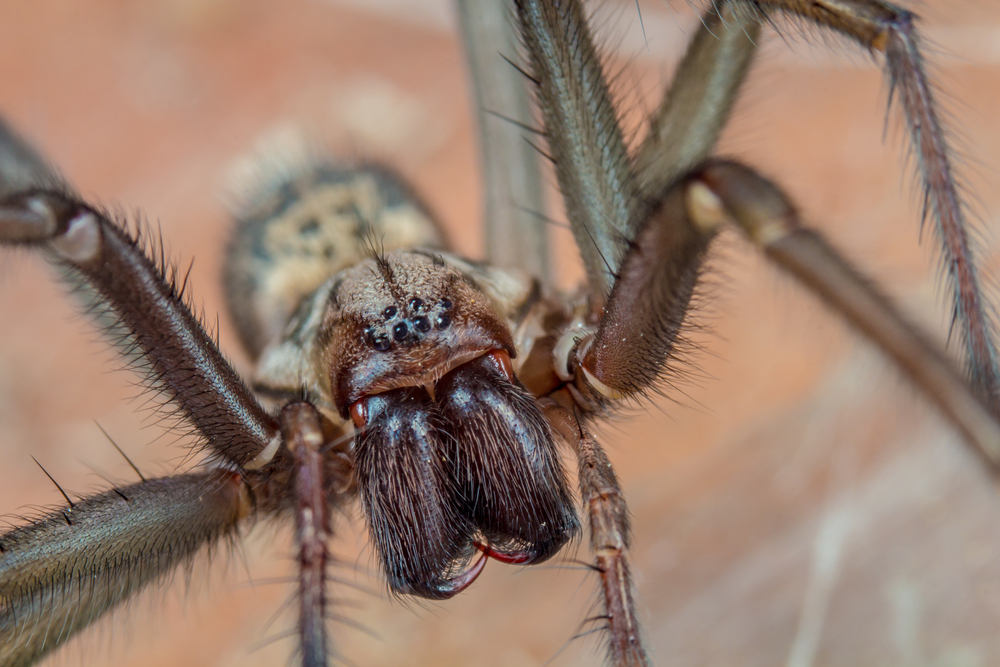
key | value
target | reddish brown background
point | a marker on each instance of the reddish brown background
(797, 504)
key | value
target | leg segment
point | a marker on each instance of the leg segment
(635, 339)
(880, 26)
(609, 538)
(594, 170)
(146, 313)
(637, 334)
(726, 191)
(694, 110)
(516, 236)
(67, 569)
(605, 203)
(302, 433)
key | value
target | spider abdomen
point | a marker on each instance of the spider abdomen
(307, 222)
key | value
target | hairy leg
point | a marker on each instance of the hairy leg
(593, 167)
(140, 307)
(68, 568)
(684, 129)
(516, 235)
(607, 517)
(627, 355)
(887, 29)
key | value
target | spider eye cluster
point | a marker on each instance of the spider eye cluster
(409, 324)
(404, 319)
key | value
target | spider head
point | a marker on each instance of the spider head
(405, 319)
(452, 454)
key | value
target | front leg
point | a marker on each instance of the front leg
(635, 341)
(140, 308)
(882, 27)
(68, 568)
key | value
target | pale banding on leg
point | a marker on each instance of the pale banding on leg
(81, 242)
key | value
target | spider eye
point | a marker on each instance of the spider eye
(400, 331)
(445, 303)
(389, 312)
(380, 342)
(416, 304)
(443, 321)
(421, 324)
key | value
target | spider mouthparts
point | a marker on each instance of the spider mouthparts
(429, 377)
(512, 558)
(453, 587)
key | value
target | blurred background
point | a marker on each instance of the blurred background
(795, 502)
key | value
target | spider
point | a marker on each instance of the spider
(661, 551)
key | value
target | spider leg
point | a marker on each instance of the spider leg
(511, 173)
(608, 518)
(605, 203)
(880, 26)
(302, 433)
(684, 129)
(636, 335)
(592, 165)
(68, 568)
(626, 355)
(726, 191)
(138, 305)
